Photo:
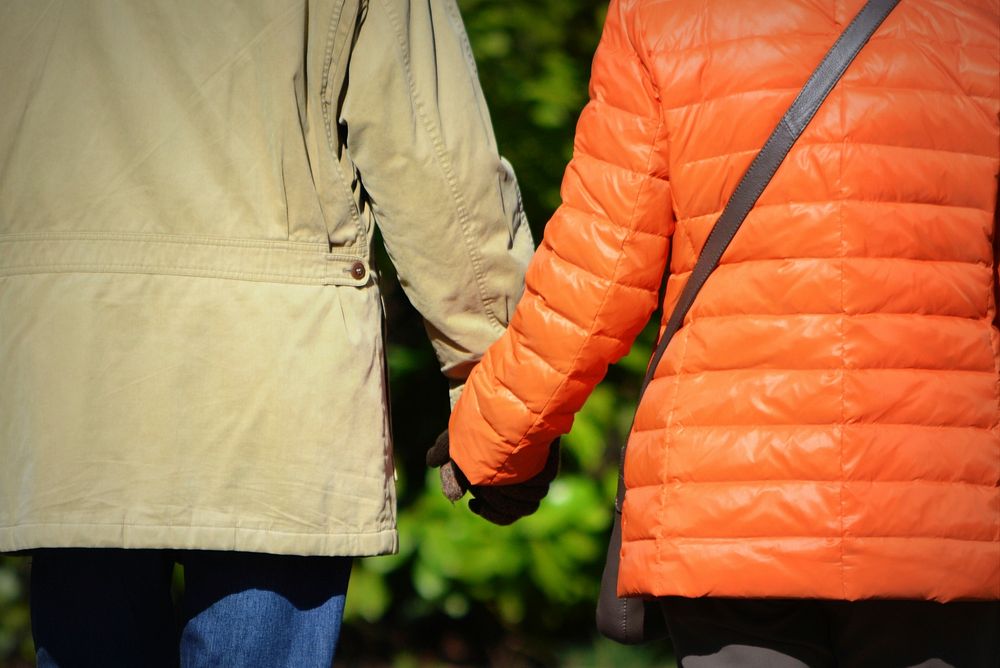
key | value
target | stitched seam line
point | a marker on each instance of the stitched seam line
(825, 482)
(801, 146)
(566, 318)
(262, 260)
(444, 164)
(590, 215)
(990, 305)
(264, 244)
(665, 486)
(458, 25)
(982, 319)
(812, 370)
(812, 426)
(690, 239)
(962, 95)
(602, 102)
(978, 264)
(326, 104)
(843, 358)
(614, 165)
(682, 538)
(143, 268)
(14, 527)
(779, 38)
(594, 274)
(846, 200)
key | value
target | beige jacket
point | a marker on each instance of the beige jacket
(191, 352)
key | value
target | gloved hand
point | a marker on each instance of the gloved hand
(500, 504)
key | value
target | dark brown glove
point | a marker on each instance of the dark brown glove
(500, 504)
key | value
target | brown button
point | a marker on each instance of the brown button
(358, 270)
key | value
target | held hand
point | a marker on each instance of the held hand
(454, 484)
(500, 504)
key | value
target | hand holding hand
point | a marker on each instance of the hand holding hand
(500, 504)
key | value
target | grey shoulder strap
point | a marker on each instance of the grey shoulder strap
(763, 167)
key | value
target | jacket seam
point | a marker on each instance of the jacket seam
(171, 270)
(813, 426)
(594, 274)
(126, 525)
(682, 538)
(210, 257)
(445, 165)
(845, 200)
(980, 264)
(193, 272)
(326, 104)
(591, 215)
(618, 166)
(562, 316)
(183, 239)
(826, 369)
(603, 102)
(779, 37)
(689, 237)
(711, 45)
(665, 486)
(991, 302)
(983, 319)
(534, 353)
(455, 15)
(739, 482)
(843, 349)
(801, 146)
(963, 95)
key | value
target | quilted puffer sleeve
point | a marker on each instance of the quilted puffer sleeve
(593, 282)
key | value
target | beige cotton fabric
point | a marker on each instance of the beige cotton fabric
(191, 350)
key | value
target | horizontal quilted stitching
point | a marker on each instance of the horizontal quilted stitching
(830, 408)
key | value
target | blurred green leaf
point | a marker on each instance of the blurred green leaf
(404, 361)
(592, 428)
(510, 606)
(15, 621)
(456, 605)
(10, 586)
(368, 594)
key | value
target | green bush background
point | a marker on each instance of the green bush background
(462, 592)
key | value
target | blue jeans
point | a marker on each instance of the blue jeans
(111, 608)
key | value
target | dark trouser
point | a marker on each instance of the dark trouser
(113, 609)
(780, 633)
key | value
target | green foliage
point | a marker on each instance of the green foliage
(534, 64)
(15, 637)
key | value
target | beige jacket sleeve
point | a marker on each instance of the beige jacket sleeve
(448, 206)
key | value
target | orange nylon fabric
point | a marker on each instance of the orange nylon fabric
(825, 424)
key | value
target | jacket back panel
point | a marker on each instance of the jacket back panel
(840, 367)
(825, 424)
(191, 345)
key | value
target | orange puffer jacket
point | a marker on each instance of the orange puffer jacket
(825, 424)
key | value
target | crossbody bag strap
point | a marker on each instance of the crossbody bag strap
(759, 174)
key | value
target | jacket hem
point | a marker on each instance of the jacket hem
(913, 568)
(125, 536)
